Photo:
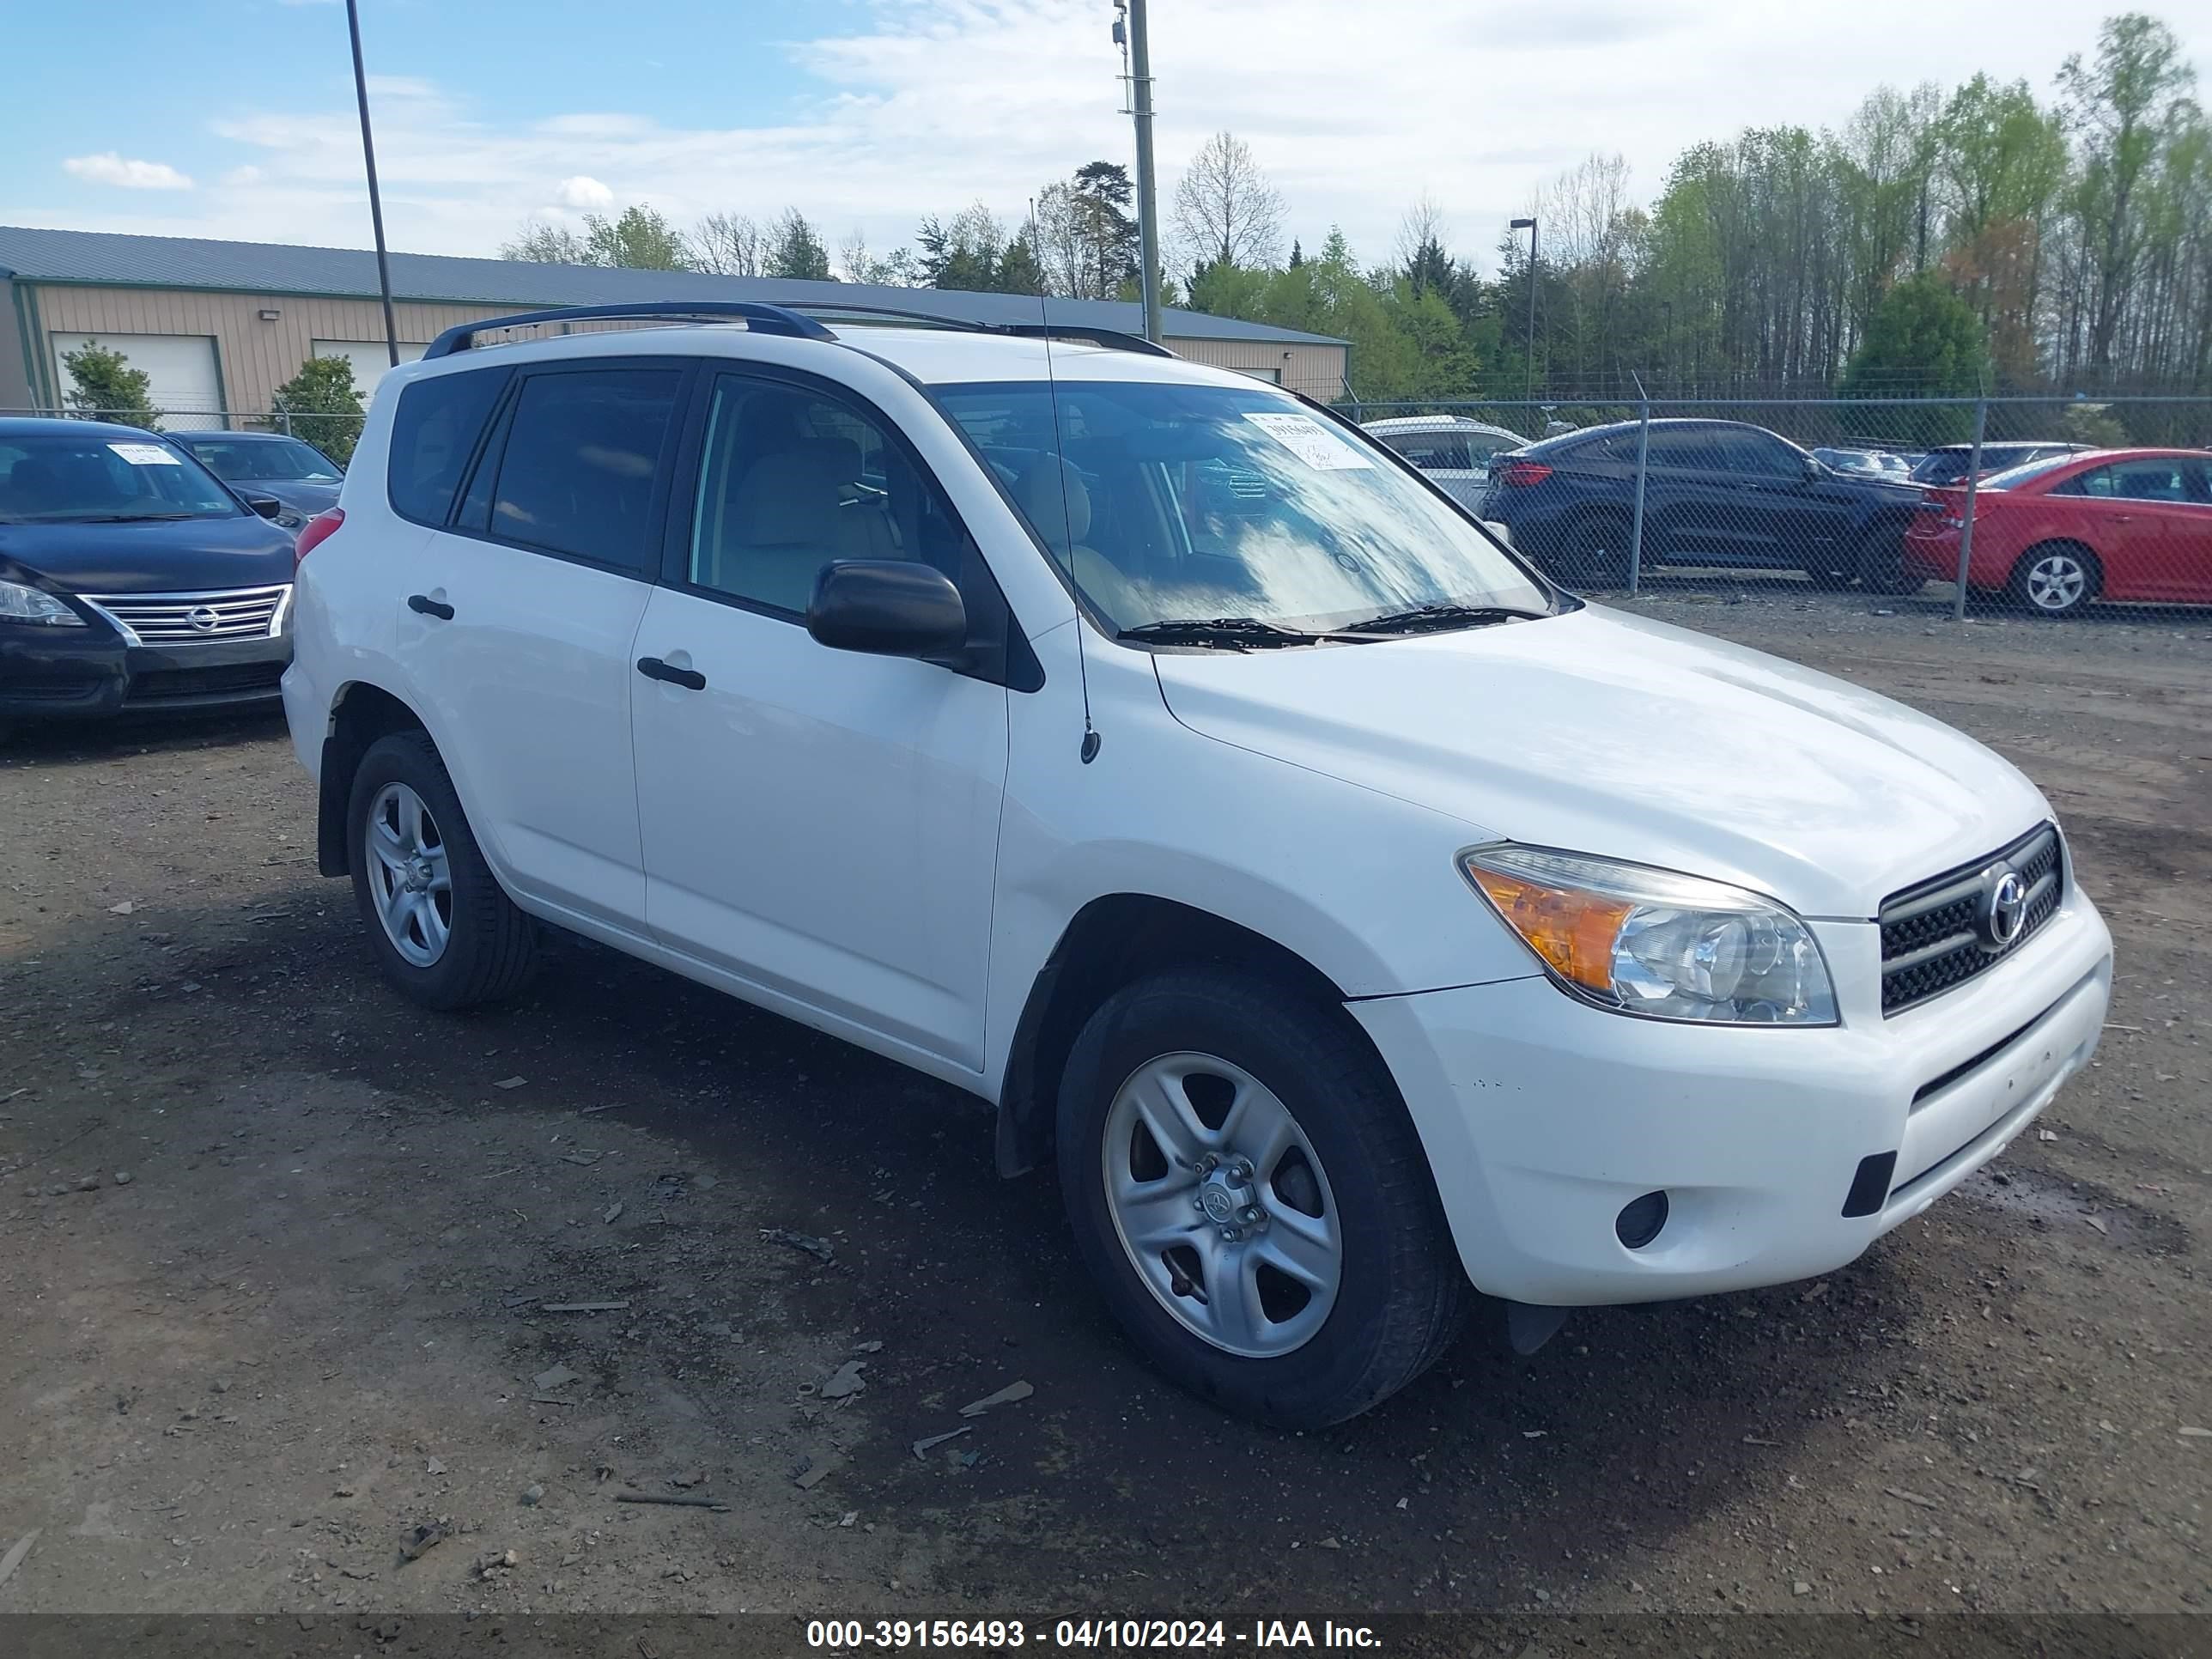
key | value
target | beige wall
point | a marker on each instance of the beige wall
(255, 356)
(1316, 370)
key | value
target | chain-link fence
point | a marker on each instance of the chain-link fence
(2039, 507)
(2042, 507)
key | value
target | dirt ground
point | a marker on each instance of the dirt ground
(324, 1308)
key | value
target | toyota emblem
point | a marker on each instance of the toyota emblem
(203, 617)
(2004, 906)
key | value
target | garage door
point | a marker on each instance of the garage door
(186, 388)
(371, 361)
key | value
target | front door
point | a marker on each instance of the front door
(820, 823)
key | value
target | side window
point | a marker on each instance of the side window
(791, 480)
(583, 450)
(433, 434)
(1685, 446)
(1756, 453)
(1481, 449)
(2147, 481)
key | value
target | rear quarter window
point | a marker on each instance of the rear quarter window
(434, 433)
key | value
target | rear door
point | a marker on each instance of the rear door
(518, 634)
(1695, 506)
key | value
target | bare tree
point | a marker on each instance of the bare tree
(1422, 226)
(539, 243)
(730, 245)
(1226, 210)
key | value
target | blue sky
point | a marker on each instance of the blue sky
(235, 117)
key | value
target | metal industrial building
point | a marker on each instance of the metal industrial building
(219, 325)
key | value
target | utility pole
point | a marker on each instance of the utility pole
(1148, 214)
(375, 201)
(1528, 225)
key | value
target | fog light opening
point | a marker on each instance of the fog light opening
(1640, 1220)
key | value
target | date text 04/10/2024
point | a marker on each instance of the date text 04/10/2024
(1161, 1634)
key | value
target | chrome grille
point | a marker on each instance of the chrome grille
(1932, 937)
(229, 613)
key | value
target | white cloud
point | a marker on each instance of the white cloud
(246, 177)
(927, 105)
(128, 173)
(583, 191)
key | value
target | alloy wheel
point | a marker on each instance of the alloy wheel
(2056, 582)
(409, 879)
(1221, 1205)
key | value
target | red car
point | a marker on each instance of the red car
(2113, 524)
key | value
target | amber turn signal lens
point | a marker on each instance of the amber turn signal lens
(1573, 932)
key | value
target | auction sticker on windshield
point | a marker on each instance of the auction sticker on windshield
(1310, 441)
(145, 454)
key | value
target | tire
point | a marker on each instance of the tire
(1595, 549)
(1828, 581)
(465, 942)
(1880, 564)
(2055, 578)
(1350, 1168)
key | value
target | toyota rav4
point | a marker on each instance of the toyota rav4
(1356, 921)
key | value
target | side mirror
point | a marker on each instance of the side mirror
(267, 506)
(889, 608)
(1815, 467)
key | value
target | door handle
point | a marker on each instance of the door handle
(654, 669)
(423, 605)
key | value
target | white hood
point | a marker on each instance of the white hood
(1605, 733)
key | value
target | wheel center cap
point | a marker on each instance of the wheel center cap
(1226, 1199)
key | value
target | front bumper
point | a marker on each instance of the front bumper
(97, 674)
(1543, 1117)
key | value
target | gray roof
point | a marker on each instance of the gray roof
(193, 262)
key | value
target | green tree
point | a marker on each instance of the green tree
(638, 239)
(796, 251)
(321, 404)
(107, 388)
(2126, 104)
(1088, 241)
(1924, 340)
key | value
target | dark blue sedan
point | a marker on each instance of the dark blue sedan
(132, 578)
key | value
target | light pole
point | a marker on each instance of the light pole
(375, 201)
(1528, 225)
(1137, 38)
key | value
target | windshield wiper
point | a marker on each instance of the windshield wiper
(131, 518)
(1422, 618)
(1237, 633)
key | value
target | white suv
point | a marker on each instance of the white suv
(1354, 917)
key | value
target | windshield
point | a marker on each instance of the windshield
(1173, 502)
(63, 479)
(283, 460)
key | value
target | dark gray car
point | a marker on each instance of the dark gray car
(292, 470)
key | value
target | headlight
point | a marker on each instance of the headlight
(1644, 941)
(20, 603)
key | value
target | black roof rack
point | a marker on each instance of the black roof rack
(793, 321)
(763, 319)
